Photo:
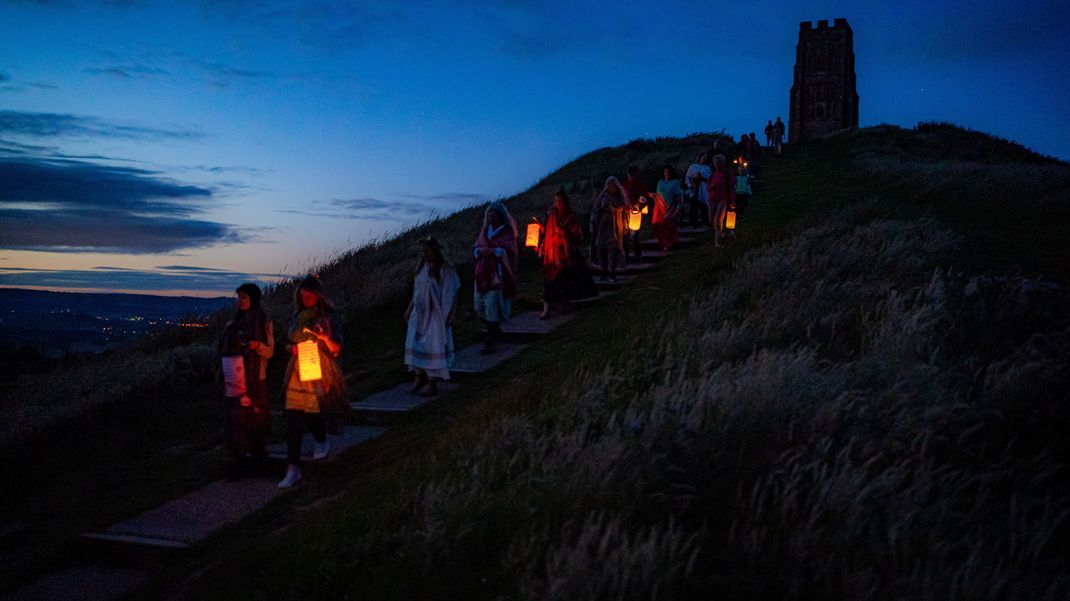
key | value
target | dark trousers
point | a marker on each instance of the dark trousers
(296, 422)
(698, 213)
(608, 257)
(633, 246)
(494, 331)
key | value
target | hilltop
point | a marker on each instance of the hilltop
(862, 396)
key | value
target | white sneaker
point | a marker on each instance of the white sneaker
(293, 476)
(322, 450)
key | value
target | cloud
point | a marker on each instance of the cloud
(229, 72)
(111, 278)
(452, 198)
(44, 125)
(135, 71)
(10, 84)
(370, 209)
(76, 206)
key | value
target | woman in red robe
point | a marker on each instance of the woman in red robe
(565, 275)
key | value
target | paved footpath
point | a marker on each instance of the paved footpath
(181, 524)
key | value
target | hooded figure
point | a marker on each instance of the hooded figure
(496, 265)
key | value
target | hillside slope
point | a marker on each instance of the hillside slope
(863, 396)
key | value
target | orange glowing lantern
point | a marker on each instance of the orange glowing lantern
(730, 220)
(308, 361)
(646, 208)
(635, 220)
(531, 239)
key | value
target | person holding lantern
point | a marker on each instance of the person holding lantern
(496, 271)
(248, 341)
(743, 190)
(608, 224)
(667, 203)
(314, 384)
(637, 194)
(430, 316)
(698, 174)
(565, 275)
(722, 193)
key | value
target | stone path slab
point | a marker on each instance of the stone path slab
(84, 583)
(472, 360)
(653, 255)
(594, 299)
(399, 399)
(683, 242)
(350, 437)
(630, 268)
(529, 323)
(192, 518)
(611, 286)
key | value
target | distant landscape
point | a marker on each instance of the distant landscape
(57, 323)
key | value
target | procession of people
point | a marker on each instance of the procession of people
(713, 190)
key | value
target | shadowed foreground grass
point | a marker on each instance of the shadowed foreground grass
(842, 405)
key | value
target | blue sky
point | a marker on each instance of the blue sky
(167, 146)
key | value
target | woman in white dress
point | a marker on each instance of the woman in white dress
(430, 315)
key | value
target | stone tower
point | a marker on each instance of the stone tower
(823, 97)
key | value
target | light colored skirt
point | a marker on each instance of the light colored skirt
(435, 357)
(492, 306)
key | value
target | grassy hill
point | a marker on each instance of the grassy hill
(863, 396)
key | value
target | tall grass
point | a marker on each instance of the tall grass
(834, 421)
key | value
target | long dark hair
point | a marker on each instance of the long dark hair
(247, 325)
(312, 284)
(565, 199)
(438, 258)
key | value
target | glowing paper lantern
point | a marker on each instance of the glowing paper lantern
(234, 376)
(635, 220)
(730, 220)
(646, 209)
(308, 361)
(531, 240)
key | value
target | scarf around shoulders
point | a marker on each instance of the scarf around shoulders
(486, 267)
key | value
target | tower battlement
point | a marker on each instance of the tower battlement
(823, 95)
(823, 24)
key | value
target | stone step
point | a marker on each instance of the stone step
(472, 360)
(83, 583)
(682, 242)
(398, 399)
(629, 269)
(603, 294)
(351, 436)
(653, 256)
(611, 286)
(177, 524)
(528, 323)
(693, 231)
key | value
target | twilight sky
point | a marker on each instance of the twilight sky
(182, 147)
